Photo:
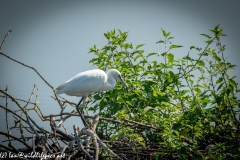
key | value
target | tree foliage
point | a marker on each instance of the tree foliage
(191, 100)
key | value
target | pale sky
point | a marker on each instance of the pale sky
(55, 36)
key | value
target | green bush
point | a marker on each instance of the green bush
(190, 100)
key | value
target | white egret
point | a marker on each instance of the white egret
(89, 82)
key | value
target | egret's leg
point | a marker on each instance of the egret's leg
(77, 107)
(83, 103)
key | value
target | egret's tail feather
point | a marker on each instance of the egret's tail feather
(60, 89)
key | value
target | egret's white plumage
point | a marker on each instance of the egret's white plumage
(88, 82)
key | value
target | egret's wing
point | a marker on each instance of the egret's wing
(83, 83)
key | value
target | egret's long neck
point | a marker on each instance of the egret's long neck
(110, 83)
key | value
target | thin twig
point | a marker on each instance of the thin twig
(9, 132)
(9, 135)
(9, 31)
(28, 122)
(129, 122)
(37, 74)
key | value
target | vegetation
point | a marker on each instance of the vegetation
(191, 101)
(175, 108)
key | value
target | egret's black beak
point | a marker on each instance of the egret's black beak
(123, 82)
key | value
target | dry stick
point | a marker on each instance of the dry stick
(64, 148)
(9, 31)
(70, 144)
(37, 73)
(53, 125)
(38, 136)
(28, 67)
(71, 103)
(74, 153)
(33, 103)
(92, 135)
(25, 109)
(6, 134)
(80, 146)
(94, 125)
(50, 146)
(38, 109)
(7, 149)
(9, 132)
(62, 152)
(98, 141)
(21, 108)
(13, 113)
(30, 97)
(28, 117)
(33, 143)
(129, 122)
(87, 141)
(62, 120)
(104, 146)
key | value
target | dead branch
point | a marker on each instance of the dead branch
(9, 31)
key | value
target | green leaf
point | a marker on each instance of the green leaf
(164, 33)
(203, 93)
(220, 86)
(161, 41)
(215, 56)
(208, 42)
(120, 57)
(218, 99)
(126, 46)
(201, 63)
(163, 54)
(176, 132)
(147, 108)
(228, 91)
(151, 54)
(231, 66)
(97, 97)
(192, 47)
(175, 46)
(205, 35)
(106, 35)
(232, 82)
(176, 126)
(170, 58)
(140, 45)
(197, 90)
(138, 56)
(191, 81)
(230, 86)
(113, 137)
(219, 80)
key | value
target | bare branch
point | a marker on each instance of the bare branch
(129, 122)
(80, 146)
(18, 139)
(9, 31)
(37, 74)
